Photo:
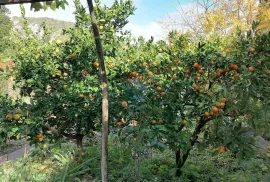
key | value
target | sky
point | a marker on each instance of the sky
(143, 23)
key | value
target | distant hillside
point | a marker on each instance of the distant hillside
(57, 25)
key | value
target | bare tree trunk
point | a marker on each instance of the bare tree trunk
(79, 140)
(104, 87)
(178, 163)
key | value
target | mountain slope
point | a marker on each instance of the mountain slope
(34, 23)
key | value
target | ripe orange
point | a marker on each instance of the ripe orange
(235, 67)
(184, 122)
(83, 72)
(252, 50)
(124, 104)
(40, 139)
(215, 110)
(187, 71)
(134, 74)
(196, 87)
(154, 122)
(221, 149)
(19, 111)
(251, 69)
(201, 91)
(198, 75)
(196, 65)
(135, 139)
(144, 64)
(231, 66)
(160, 121)
(207, 114)
(39, 135)
(177, 61)
(220, 71)
(201, 71)
(222, 104)
(218, 105)
(218, 74)
(96, 64)
(211, 113)
(59, 72)
(16, 117)
(162, 94)
(228, 50)
(140, 78)
(212, 62)
(81, 96)
(150, 73)
(159, 89)
(91, 96)
(119, 123)
(236, 75)
(200, 67)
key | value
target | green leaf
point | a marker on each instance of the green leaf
(215, 153)
(14, 129)
(53, 6)
(36, 6)
(161, 145)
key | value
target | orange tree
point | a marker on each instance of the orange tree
(61, 77)
(183, 92)
(13, 119)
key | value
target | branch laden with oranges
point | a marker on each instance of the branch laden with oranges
(13, 119)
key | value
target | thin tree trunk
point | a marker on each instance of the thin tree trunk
(79, 140)
(178, 163)
(181, 160)
(104, 87)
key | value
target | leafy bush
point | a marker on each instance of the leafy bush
(61, 164)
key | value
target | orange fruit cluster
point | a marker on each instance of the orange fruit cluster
(197, 88)
(215, 109)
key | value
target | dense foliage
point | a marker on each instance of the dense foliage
(6, 26)
(173, 96)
